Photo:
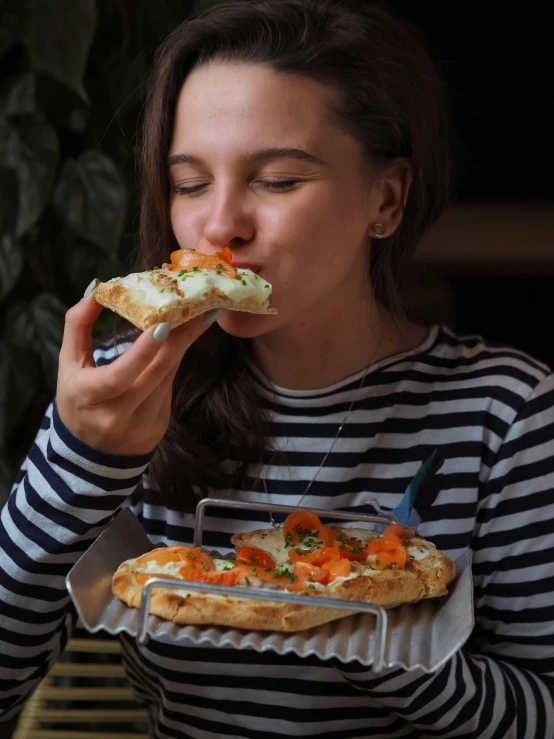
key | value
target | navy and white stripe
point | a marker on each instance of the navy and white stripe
(488, 410)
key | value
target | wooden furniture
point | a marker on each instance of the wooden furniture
(49, 713)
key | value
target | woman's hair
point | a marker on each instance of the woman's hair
(390, 100)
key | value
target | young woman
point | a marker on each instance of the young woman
(310, 137)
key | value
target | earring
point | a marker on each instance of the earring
(379, 231)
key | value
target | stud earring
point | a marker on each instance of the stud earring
(379, 231)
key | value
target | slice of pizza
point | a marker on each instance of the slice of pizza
(304, 556)
(191, 284)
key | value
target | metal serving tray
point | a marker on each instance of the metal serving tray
(419, 636)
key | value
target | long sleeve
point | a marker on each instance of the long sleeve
(64, 496)
(501, 685)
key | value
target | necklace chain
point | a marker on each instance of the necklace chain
(328, 452)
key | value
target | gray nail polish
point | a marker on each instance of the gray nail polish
(212, 316)
(92, 287)
(161, 332)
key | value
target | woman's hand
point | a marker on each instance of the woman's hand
(123, 407)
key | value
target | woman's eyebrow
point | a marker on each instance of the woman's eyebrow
(260, 155)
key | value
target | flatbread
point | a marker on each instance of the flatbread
(426, 574)
(164, 295)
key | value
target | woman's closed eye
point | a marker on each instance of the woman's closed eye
(275, 185)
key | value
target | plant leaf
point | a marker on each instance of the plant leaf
(11, 263)
(84, 262)
(59, 36)
(32, 151)
(38, 327)
(19, 382)
(21, 95)
(91, 197)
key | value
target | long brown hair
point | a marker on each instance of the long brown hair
(391, 101)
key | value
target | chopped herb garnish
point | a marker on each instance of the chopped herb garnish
(196, 269)
(268, 569)
(162, 290)
(377, 562)
(256, 277)
(190, 555)
(254, 571)
(170, 268)
(181, 273)
(312, 587)
(219, 266)
(238, 277)
(153, 268)
(263, 536)
(218, 271)
(188, 595)
(243, 282)
(226, 568)
(267, 286)
(189, 248)
(247, 581)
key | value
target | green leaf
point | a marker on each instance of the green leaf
(59, 36)
(11, 263)
(38, 327)
(19, 382)
(32, 151)
(91, 198)
(21, 95)
(85, 262)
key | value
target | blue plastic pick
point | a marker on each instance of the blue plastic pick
(405, 512)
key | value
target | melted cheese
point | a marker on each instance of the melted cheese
(157, 288)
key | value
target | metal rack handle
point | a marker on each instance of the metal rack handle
(279, 597)
(223, 503)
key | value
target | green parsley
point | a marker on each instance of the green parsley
(181, 273)
(247, 581)
(196, 269)
(312, 587)
(153, 268)
(266, 286)
(219, 266)
(238, 277)
(190, 555)
(188, 595)
(162, 290)
(243, 282)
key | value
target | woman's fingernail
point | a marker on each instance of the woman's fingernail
(91, 288)
(161, 332)
(212, 316)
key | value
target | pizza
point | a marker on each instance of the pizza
(191, 284)
(303, 556)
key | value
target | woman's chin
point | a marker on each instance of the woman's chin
(246, 325)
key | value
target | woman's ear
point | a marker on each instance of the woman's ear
(391, 192)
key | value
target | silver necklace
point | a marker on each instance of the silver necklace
(272, 521)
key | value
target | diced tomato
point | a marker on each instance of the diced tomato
(401, 531)
(318, 557)
(342, 568)
(188, 260)
(310, 573)
(305, 526)
(352, 549)
(254, 556)
(219, 577)
(389, 550)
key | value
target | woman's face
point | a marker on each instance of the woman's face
(257, 164)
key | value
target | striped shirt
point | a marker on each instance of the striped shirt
(489, 411)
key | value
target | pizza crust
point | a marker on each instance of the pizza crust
(129, 304)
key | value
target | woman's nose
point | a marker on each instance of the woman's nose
(228, 221)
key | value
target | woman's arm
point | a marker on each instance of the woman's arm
(503, 685)
(65, 494)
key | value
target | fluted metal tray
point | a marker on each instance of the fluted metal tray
(423, 635)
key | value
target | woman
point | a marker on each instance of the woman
(310, 137)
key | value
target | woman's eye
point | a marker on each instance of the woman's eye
(279, 184)
(189, 190)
